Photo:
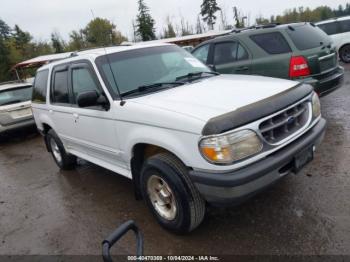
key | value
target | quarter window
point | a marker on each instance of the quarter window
(60, 92)
(83, 81)
(229, 52)
(40, 87)
(272, 43)
(202, 53)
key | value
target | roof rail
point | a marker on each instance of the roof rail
(239, 30)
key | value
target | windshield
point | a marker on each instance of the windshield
(315, 36)
(17, 95)
(147, 66)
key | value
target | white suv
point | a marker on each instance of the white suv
(339, 30)
(184, 135)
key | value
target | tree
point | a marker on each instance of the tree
(145, 23)
(57, 43)
(169, 31)
(77, 41)
(5, 30)
(102, 32)
(208, 10)
(199, 26)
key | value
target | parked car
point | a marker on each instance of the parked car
(15, 105)
(184, 135)
(299, 52)
(339, 30)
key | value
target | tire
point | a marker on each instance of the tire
(344, 54)
(64, 160)
(173, 179)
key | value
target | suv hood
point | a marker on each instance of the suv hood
(217, 95)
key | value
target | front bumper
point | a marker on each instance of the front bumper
(327, 83)
(234, 187)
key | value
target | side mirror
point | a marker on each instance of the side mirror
(92, 98)
(212, 68)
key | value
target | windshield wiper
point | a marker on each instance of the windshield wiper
(195, 76)
(144, 88)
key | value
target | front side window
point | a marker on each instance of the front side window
(272, 43)
(146, 66)
(60, 92)
(229, 52)
(202, 53)
(40, 87)
(330, 28)
(83, 81)
(15, 95)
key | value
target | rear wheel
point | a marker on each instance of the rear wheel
(170, 194)
(344, 54)
(64, 160)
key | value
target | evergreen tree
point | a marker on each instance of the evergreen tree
(169, 31)
(57, 42)
(208, 10)
(145, 23)
(5, 30)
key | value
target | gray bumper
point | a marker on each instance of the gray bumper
(22, 124)
(235, 187)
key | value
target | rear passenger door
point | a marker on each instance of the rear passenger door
(231, 57)
(60, 104)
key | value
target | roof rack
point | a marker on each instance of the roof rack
(272, 25)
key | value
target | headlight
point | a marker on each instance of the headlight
(231, 147)
(316, 106)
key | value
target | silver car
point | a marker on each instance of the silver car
(15, 105)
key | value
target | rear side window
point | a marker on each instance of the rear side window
(60, 92)
(307, 37)
(272, 43)
(344, 26)
(202, 53)
(229, 52)
(330, 28)
(40, 87)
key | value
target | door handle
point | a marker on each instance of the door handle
(242, 68)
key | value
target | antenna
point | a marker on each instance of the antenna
(122, 102)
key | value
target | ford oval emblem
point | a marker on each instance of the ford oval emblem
(290, 120)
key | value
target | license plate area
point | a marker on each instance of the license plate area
(21, 113)
(302, 159)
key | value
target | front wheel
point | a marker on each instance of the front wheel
(170, 194)
(64, 160)
(344, 54)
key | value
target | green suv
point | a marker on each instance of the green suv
(299, 51)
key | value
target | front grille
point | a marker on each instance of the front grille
(285, 124)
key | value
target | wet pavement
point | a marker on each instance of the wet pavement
(46, 211)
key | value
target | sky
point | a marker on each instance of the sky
(42, 17)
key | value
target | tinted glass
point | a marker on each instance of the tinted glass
(40, 87)
(202, 53)
(330, 28)
(307, 37)
(147, 66)
(16, 95)
(225, 53)
(344, 26)
(60, 87)
(272, 43)
(83, 81)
